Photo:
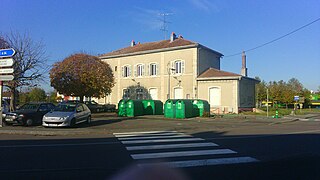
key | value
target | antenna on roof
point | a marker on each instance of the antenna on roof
(164, 26)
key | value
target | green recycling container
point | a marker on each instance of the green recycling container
(202, 105)
(134, 108)
(169, 108)
(122, 108)
(152, 107)
(184, 109)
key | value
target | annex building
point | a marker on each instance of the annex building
(178, 69)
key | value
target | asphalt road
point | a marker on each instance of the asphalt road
(234, 148)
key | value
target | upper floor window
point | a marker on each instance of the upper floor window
(178, 66)
(126, 71)
(139, 70)
(153, 69)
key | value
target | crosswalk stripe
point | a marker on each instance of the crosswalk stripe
(170, 146)
(161, 140)
(145, 132)
(182, 153)
(154, 137)
(142, 135)
(203, 162)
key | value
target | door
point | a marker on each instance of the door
(215, 96)
(178, 93)
(154, 93)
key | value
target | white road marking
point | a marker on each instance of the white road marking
(145, 132)
(154, 137)
(154, 134)
(203, 162)
(161, 140)
(182, 153)
(170, 146)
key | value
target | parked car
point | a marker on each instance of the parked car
(5, 108)
(29, 114)
(94, 106)
(110, 107)
(67, 114)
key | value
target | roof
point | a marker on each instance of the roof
(150, 46)
(212, 72)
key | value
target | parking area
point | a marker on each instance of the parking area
(104, 124)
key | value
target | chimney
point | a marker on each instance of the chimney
(244, 64)
(173, 37)
(133, 43)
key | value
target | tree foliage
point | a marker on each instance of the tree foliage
(29, 62)
(281, 92)
(82, 75)
(37, 95)
(136, 92)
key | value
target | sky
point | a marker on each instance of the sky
(226, 26)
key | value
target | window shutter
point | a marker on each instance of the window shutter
(148, 70)
(172, 66)
(135, 71)
(122, 70)
(142, 69)
(157, 69)
(182, 67)
(129, 69)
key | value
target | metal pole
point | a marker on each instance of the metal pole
(169, 83)
(267, 103)
(1, 120)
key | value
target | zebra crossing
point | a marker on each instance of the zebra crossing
(177, 150)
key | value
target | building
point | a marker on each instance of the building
(178, 69)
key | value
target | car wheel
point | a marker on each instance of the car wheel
(73, 122)
(29, 122)
(89, 120)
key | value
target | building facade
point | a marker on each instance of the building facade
(177, 69)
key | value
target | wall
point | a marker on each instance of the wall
(247, 93)
(208, 59)
(229, 94)
(187, 79)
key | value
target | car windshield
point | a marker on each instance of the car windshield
(29, 107)
(65, 107)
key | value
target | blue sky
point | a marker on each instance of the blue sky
(227, 26)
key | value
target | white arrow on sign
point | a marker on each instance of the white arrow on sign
(6, 77)
(6, 71)
(6, 62)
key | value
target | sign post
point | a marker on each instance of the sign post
(6, 72)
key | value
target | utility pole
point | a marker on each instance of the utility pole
(164, 26)
(267, 103)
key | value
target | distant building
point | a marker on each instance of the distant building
(178, 69)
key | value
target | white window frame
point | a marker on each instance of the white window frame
(178, 69)
(126, 71)
(139, 70)
(153, 72)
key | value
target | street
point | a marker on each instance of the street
(201, 148)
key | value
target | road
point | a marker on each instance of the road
(197, 148)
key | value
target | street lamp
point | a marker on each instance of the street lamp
(169, 73)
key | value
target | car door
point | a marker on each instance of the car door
(43, 109)
(80, 113)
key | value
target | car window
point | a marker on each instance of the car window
(51, 106)
(29, 107)
(43, 107)
(65, 107)
(80, 108)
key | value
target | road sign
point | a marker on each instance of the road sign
(6, 62)
(6, 71)
(6, 77)
(296, 98)
(7, 52)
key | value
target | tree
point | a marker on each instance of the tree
(136, 92)
(37, 95)
(261, 92)
(29, 65)
(82, 75)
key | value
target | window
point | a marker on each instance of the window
(153, 69)
(115, 68)
(80, 108)
(139, 93)
(178, 66)
(43, 107)
(126, 71)
(139, 70)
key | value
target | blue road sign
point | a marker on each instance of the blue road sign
(7, 52)
(296, 98)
